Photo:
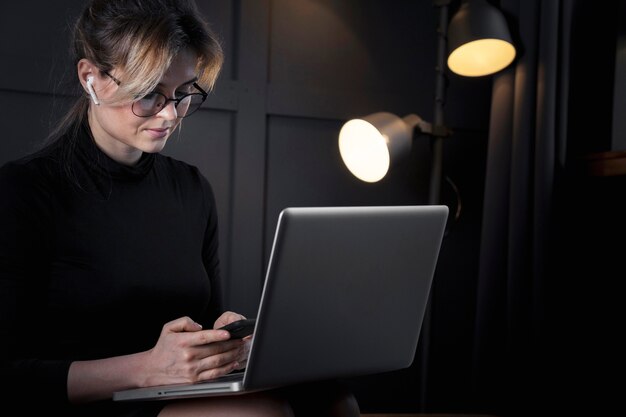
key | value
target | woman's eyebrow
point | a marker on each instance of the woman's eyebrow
(193, 80)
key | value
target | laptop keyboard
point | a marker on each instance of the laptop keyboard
(234, 376)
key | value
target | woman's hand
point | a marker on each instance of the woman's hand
(187, 353)
(227, 318)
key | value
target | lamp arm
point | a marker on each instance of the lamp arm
(413, 121)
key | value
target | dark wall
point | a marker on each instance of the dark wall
(595, 31)
(295, 70)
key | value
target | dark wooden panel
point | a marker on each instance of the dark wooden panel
(248, 178)
(33, 44)
(25, 119)
(314, 101)
(342, 59)
(353, 44)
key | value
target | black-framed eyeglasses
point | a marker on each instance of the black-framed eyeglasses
(152, 103)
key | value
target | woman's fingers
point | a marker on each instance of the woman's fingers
(227, 317)
(182, 324)
(189, 333)
(220, 359)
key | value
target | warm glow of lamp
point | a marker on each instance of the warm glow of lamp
(479, 40)
(364, 150)
(370, 145)
(481, 57)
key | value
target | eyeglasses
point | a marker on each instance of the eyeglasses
(152, 103)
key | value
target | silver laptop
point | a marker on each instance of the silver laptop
(344, 295)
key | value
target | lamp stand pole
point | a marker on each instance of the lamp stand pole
(439, 130)
(438, 134)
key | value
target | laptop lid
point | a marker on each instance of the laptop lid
(345, 294)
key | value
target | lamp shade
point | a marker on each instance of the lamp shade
(370, 145)
(479, 41)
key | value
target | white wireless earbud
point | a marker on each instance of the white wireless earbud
(92, 93)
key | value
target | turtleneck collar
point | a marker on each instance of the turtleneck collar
(89, 154)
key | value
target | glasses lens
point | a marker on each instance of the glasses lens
(189, 105)
(149, 105)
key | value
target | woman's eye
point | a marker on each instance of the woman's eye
(150, 96)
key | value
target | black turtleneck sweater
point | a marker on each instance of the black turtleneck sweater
(95, 257)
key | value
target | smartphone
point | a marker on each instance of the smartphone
(240, 328)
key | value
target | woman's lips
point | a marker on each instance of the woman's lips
(158, 133)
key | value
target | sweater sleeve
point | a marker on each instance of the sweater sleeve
(210, 253)
(24, 253)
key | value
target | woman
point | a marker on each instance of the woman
(109, 265)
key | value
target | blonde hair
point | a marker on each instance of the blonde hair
(140, 38)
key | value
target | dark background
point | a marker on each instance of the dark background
(266, 138)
